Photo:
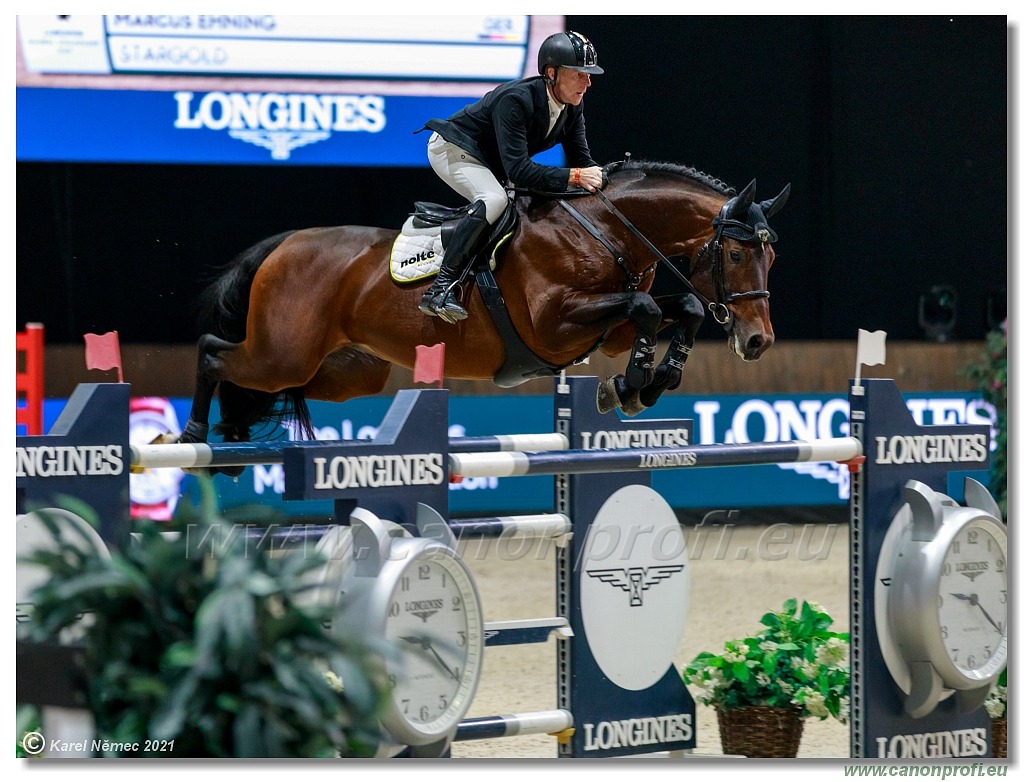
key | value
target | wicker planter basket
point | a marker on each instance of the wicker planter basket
(760, 731)
(999, 737)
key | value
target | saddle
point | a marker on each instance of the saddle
(417, 252)
(416, 255)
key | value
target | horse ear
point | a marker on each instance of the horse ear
(774, 205)
(745, 198)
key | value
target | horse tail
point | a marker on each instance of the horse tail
(224, 308)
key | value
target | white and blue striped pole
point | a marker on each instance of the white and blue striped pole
(508, 464)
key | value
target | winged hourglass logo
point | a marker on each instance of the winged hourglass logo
(279, 142)
(635, 580)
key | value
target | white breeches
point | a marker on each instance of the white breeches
(467, 176)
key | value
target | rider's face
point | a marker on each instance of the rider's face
(570, 86)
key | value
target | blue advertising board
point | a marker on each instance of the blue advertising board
(305, 129)
(722, 419)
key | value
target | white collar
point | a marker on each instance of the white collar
(554, 111)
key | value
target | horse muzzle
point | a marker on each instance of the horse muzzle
(750, 344)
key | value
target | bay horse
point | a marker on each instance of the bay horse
(314, 314)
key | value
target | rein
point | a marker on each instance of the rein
(718, 309)
(634, 279)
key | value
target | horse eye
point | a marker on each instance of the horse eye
(735, 255)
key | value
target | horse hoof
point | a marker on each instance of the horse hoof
(607, 397)
(634, 406)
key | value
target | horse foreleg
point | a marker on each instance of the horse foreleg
(668, 375)
(622, 390)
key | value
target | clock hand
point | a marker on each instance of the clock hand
(433, 651)
(973, 600)
(424, 643)
(991, 621)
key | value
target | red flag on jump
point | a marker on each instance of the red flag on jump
(102, 351)
(429, 364)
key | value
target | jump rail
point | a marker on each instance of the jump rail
(189, 455)
(510, 464)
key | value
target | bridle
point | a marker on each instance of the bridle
(722, 296)
(719, 307)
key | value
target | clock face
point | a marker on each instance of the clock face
(435, 623)
(973, 601)
(155, 486)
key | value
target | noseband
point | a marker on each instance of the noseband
(718, 309)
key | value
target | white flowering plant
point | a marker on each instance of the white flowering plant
(796, 661)
(995, 702)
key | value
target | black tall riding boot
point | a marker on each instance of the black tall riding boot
(438, 299)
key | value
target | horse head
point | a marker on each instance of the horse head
(737, 261)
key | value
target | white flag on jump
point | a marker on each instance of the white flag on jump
(870, 347)
(870, 351)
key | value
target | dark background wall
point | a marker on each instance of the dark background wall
(892, 131)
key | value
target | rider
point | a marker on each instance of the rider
(492, 140)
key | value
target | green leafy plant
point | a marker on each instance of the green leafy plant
(795, 662)
(27, 721)
(201, 639)
(989, 373)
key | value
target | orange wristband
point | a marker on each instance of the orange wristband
(576, 177)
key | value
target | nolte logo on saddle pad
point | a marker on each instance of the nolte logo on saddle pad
(416, 256)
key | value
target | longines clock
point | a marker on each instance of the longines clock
(942, 622)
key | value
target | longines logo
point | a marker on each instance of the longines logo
(56, 461)
(279, 122)
(965, 743)
(279, 142)
(635, 438)
(971, 569)
(346, 472)
(424, 609)
(931, 449)
(635, 580)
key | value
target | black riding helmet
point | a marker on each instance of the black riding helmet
(568, 50)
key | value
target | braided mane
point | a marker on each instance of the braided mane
(689, 172)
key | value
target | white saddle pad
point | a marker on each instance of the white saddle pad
(416, 253)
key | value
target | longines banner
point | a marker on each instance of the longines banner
(721, 419)
(265, 89)
(250, 128)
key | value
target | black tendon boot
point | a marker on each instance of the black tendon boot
(438, 300)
